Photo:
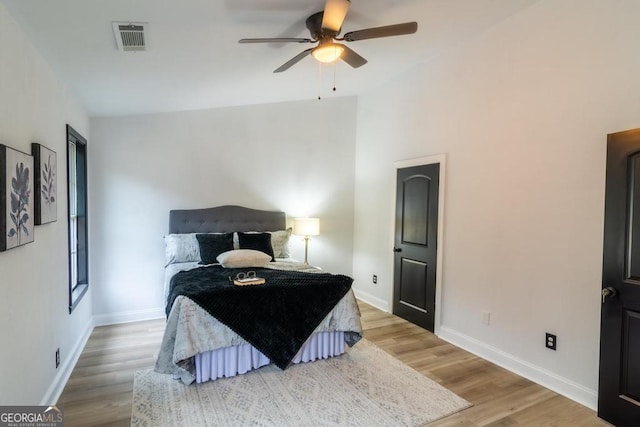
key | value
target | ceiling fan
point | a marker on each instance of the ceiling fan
(325, 26)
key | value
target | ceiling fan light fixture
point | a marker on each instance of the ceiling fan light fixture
(328, 52)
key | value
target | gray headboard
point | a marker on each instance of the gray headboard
(225, 219)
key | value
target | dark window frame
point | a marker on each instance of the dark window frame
(78, 223)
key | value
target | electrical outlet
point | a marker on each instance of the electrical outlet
(551, 341)
(375, 279)
(57, 358)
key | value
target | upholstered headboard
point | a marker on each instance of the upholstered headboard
(225, 219)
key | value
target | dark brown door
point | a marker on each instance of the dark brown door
(416, 244)
(619, 388)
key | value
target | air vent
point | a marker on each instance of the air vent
(129, 36)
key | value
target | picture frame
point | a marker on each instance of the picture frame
(16, 198)
(45, 164)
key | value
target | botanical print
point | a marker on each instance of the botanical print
(48, 186)
(44, 194)
(17, 196)
(20, 193)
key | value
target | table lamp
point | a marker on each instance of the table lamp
(306, 227)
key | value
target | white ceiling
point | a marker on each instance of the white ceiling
(193, 59)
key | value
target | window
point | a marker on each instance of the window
(77, 200)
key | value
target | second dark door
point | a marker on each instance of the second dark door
(416, 244)
(619, 387)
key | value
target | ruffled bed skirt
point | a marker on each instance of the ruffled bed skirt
(231, 361)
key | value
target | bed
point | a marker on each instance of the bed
(201, 344)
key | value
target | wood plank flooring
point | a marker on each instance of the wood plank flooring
(100, 389)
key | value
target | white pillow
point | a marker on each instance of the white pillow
(280, 243)
(181, 248)
(243, 258)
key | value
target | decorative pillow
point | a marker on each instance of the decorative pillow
(243, 258)
(280, 243)
(181, 248)
(256, 241)
(212, 245)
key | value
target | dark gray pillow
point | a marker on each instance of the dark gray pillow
(212, 245)
(256, 241)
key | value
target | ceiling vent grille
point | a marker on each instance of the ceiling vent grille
(129, 36)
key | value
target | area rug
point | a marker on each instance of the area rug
(363, 387)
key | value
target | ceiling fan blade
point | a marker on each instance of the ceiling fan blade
(386, 31)
(352, 58)
(293, 61)
(334, 13)
(276, 40)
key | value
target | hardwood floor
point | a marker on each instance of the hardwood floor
(99, 391)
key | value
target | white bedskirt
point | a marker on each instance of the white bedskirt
(239, 359)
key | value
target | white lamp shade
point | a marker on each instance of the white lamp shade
(306, 226)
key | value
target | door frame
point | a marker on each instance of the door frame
(421, 161)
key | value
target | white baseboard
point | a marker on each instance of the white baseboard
(54, 391)
(60, 380)
(550, 380)
(378, 303)
(128, 317)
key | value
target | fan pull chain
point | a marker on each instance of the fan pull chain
(335, 67)
(319, 80)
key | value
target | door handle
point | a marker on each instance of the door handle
(397, 249)
(607, 293)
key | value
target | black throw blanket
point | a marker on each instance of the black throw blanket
(276, 317)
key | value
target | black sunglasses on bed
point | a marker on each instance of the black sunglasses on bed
(247, 275)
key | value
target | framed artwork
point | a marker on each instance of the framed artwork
(45, 191)
(16, 198)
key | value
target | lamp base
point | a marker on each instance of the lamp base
(306, 250)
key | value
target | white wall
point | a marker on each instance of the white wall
(34, 316)
(522, 112)
(297, 157)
